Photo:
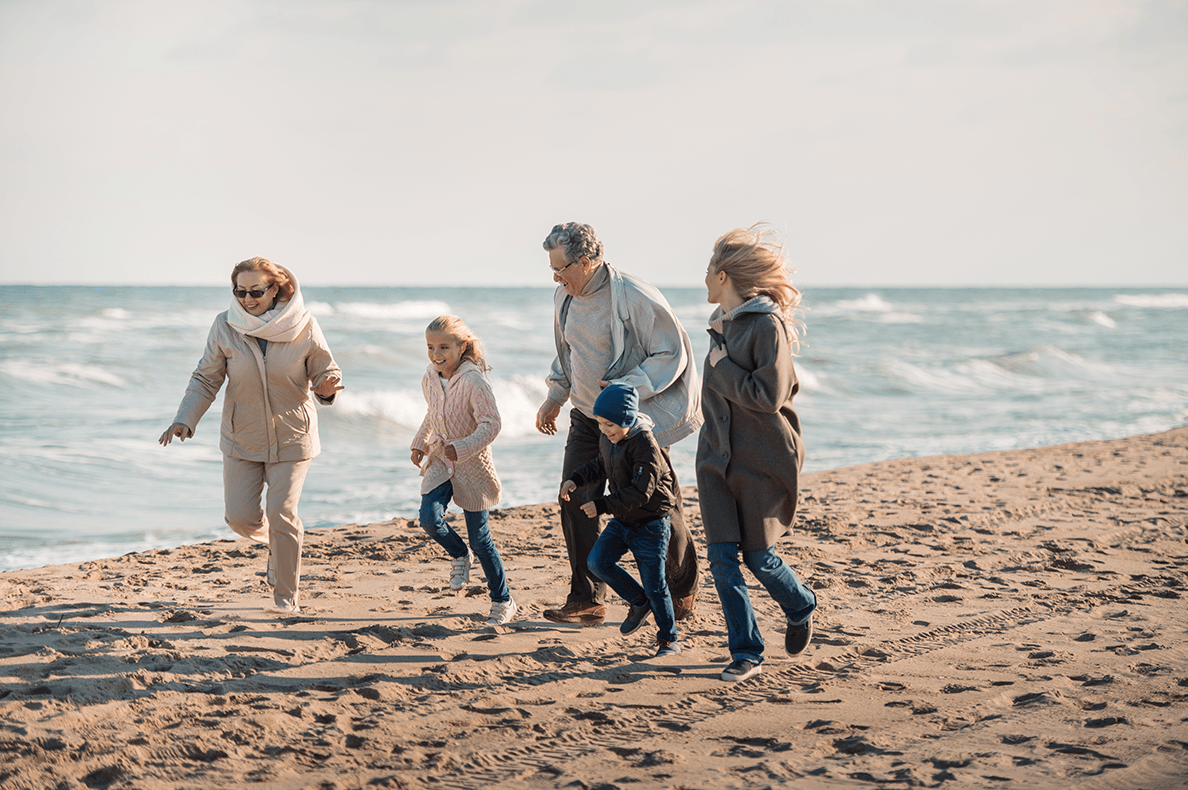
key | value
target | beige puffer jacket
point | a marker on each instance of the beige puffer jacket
(272, 423)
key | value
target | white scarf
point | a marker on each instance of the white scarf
(283, 323)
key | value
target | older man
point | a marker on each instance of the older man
(612, 327)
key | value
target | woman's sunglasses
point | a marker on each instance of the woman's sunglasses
(243, 293)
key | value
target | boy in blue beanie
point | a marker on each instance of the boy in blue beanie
(642, 496)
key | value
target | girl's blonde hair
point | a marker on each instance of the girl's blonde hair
(455, 327)
(756, 266)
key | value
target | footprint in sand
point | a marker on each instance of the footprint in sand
(1107, 721)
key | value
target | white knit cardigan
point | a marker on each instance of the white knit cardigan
(463, 414)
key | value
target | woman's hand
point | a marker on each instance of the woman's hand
(417, 457)
(546, 417)
(330, 384)
(178, 429)
(566, 487)
(451, 453)
(717, 354)
(590, 509)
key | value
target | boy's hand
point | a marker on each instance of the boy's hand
(566, 487)
(590, 509)
(417, 457)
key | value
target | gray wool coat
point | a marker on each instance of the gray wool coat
(749, 453)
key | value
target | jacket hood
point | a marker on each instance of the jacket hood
(465, 368)
(642, 423)
(757, 304)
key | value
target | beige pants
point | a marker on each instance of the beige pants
(277, 524)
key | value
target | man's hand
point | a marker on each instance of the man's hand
(546, 417)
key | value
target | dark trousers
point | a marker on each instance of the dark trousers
(581, 531)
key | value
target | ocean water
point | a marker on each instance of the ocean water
(93, 375)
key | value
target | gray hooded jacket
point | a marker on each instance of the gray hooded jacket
(650, 351)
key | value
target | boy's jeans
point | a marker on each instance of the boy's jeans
(742, 630)
(648, 543)
(433, 509)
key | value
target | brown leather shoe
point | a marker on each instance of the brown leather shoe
(581, 612)
(684, 607)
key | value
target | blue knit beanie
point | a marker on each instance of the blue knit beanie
(619, 404)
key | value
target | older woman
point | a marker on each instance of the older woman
(272, 354)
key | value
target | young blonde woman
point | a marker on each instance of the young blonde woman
(272, 354)
(453, 451)
(749, 451)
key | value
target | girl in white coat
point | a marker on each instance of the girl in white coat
(272, 354)
(453, 451)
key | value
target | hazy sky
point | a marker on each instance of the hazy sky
(894, 142)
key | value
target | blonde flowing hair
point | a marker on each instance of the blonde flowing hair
(455, 327)
(756, 266)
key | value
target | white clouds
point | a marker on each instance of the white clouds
(914, 142)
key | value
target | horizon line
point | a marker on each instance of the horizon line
(506, 286)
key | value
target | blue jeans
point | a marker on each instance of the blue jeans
(648, 543)
(433, 510)
(742, 630)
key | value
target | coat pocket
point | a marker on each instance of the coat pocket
(293, 425)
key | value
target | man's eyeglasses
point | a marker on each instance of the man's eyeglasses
(563, 268)
(242, 293)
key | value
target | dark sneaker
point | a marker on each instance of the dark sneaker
(798, 637)
(580, 612)
(636, 616)
(668, 649)
(741, 670)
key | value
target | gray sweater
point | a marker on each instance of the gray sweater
(649, 351)
(586, 333)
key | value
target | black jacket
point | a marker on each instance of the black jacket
(642, 485)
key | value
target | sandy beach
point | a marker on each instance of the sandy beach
(1009, 619)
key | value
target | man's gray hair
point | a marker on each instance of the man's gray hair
(575, 239)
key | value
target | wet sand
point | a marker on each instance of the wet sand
(1000, 620)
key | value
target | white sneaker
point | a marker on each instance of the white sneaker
(286, 605)
(502, 613)
(459, 572)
